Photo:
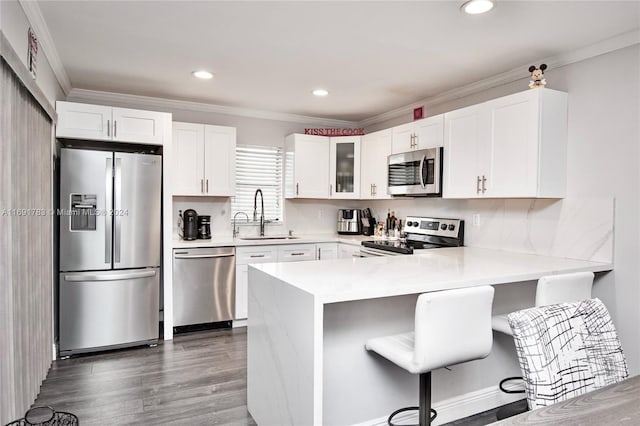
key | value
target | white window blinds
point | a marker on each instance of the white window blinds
(258, 167)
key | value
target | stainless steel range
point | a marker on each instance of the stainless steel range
(421, 233)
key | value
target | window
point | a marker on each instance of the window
(258, 167)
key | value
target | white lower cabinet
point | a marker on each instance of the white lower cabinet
(264, 254)
(348, 251)
(326, 251)
(245, 256)
(296, 252)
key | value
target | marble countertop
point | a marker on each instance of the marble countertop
(342, 280)
(226, 241)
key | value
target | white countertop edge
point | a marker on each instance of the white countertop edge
(327, 299)
(228, 241)
(304, 275)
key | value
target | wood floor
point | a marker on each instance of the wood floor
(196, 379)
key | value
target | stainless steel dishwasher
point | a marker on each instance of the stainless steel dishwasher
(204, 285)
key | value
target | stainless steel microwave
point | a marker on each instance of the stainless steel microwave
(416, 173)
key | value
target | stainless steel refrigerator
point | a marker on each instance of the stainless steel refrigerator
(110, 245)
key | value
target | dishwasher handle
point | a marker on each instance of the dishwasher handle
(201, 256)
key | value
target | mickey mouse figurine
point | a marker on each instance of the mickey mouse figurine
(537, 76)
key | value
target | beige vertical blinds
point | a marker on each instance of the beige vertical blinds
(26, 226)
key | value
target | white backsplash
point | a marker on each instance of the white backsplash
(579, 228)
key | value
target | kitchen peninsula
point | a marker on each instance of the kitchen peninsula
(308, 325)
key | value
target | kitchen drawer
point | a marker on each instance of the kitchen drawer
(296, 252)
(257, 254)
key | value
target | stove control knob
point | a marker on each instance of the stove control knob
(412, 223)
(443, 226)
(452, 227)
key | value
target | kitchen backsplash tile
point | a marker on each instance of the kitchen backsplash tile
(579, 228)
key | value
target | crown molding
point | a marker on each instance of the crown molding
(164, 104)
(609, 45)
(37, 22)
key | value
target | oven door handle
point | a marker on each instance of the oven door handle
(422, 161)
(372, 253)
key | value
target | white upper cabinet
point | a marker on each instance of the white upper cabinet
(510, 147)
(420, 134)
(204, 160)
(97, 122)
(188, 159)
(307, 166)
(220, 160)
(83, 121)
(375, 149)
(132, 125)
(344, 169)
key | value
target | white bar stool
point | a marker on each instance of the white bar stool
(551, 289)
(451, 327)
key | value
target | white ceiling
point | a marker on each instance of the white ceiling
(372, 56)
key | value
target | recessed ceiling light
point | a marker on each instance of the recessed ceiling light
(320, 92)
(475, 7)
(205, 75)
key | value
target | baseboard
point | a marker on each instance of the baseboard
(455, 408)
(239, 323)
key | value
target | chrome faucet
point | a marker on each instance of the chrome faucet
(236, 231)
(255, 210)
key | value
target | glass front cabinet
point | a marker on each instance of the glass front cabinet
(344, 178)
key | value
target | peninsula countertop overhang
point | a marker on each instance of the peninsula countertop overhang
(343, 280)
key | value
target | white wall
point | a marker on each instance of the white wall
(15, 26)
(603, 162)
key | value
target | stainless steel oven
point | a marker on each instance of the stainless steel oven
(416, 173)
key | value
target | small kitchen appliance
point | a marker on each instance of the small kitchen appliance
(349, 221)
(368, 222)
(422, 233)
(190, 223)
(204, 227)
(416, 173)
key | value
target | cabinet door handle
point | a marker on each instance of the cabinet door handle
(297, 192)
(207, 185)
(201, 185)
(478, 185)
(371, 189)
(297, 254)
(375, 190)
(115, 128)
(253, 256)
(108, 127)
(484, 181)
(330, 189)
(319, 253)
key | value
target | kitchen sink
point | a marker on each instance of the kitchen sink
(269, 238)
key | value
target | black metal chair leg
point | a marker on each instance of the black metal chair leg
(426, 414)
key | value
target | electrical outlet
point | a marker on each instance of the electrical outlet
(476, 219)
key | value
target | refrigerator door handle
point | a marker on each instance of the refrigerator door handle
(108, 277)
(117, 219)
(109, 208)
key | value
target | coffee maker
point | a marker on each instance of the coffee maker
(349, 221)
(190, 225)
(204, 227)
